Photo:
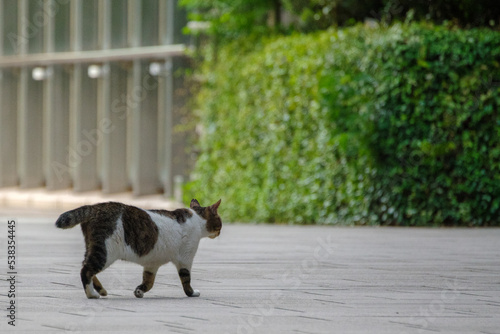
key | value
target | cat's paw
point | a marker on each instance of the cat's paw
(91, 293)
(103, 292)
(196, 293)
(139, 293)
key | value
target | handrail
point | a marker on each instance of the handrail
(94, 56)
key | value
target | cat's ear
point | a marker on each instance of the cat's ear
(214, 207)
(194, 204)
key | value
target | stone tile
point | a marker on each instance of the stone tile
(270, 279)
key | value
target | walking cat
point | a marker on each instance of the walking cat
(151, 238)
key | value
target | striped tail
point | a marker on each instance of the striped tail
(72, 218)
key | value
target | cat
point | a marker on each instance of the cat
(115, 231)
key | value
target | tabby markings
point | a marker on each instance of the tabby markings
(179, 215)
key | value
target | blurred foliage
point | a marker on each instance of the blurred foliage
(234, 18)
(322, 14)
(464, 13)
(393, 126)
(230, 18)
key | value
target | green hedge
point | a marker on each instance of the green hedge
(394, 126)
(231, 19)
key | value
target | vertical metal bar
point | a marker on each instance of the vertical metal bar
(165, 98)
(7, 124)
(112, 100)
(49, 154)
(22, 27)
(8, 133)
(75, 25)
(104, 24)
(134, 23)
(166, 22)
(3, 148)
(1, 26)
(8, 96)
(77, 175)
(76, 93)
(142, 112)
(49, 26)
(103, 93)
(55, 108)
(84, 134)
(30, 159)
(134, 75)
(22, 92)
(22, 97)
(162, 29)
(76, 85)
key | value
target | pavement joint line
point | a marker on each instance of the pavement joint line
(195, 318)
(226, 305)
(329, 301)
(54, 327)
(120, 309)
(313, 318)
(286, 309)
(75, 314)
(174, 325)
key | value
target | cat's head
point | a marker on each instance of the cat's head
(212, 218)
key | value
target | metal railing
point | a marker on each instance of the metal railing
(87, 94)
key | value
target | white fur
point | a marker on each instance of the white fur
(177, 243)
(91, 292)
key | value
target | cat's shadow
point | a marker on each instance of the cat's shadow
(113, 297)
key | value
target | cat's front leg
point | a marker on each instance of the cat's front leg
(185, 276)
(148, 280)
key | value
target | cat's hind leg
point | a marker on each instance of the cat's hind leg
(148, 280)
(87, 275)
(94, 262)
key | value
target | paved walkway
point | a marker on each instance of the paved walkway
(267, 279)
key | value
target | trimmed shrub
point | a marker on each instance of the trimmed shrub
(391, 126)
(435, 136)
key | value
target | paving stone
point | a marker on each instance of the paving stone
(268, 279)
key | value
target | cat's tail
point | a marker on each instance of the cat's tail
(72, 218)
